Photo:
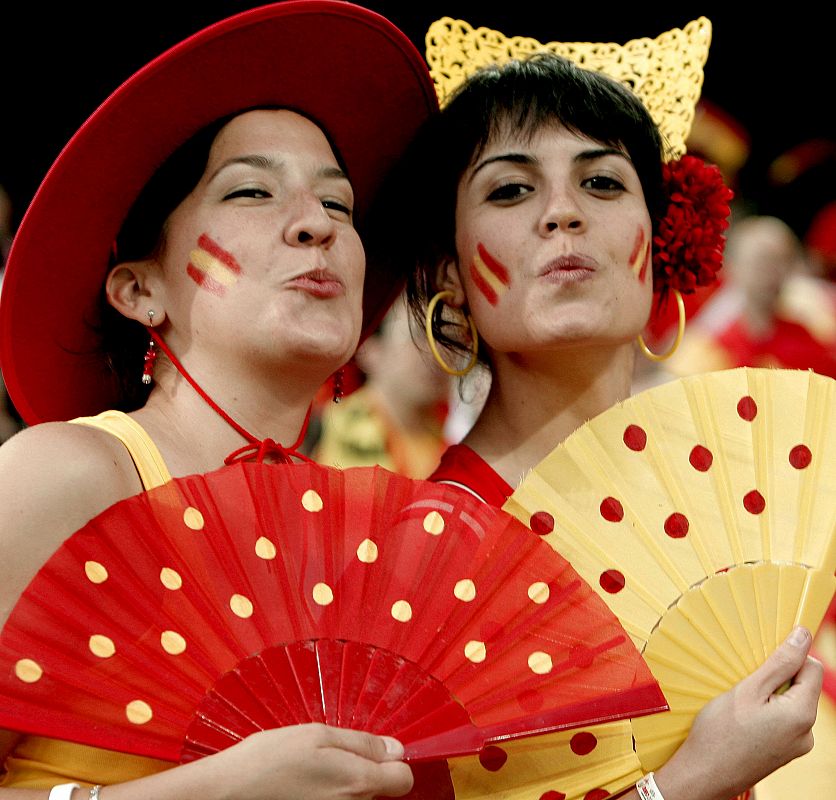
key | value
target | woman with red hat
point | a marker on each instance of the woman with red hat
(186, 278)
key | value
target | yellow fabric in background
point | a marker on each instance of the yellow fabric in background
(360, 433)
(814, 775)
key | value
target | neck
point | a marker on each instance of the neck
(535, 403)
(195, 437)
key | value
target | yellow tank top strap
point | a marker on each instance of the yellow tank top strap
(149, 463)
(38, 762)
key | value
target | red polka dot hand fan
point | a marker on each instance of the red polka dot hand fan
(703, 511)
(179, 621)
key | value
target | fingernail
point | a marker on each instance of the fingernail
(393, 747)
(798, 636)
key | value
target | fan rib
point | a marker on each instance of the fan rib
(703, 412)
(659, 460)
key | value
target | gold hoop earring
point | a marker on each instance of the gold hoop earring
(680, 332)
(428, 327)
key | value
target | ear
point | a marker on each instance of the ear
(133, 289)
(448, 279)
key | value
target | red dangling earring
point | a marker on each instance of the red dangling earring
(150, 355)
(338, 385)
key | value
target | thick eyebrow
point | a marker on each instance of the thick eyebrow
(266, 162)
(524, 158)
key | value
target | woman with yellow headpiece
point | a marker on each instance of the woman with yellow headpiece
(540, 215)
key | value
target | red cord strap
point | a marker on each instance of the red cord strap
(260, 448)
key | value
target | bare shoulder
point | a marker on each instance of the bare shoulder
(54, 478)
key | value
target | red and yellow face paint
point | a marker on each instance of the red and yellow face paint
(490, 276)
(211, 267)
(640, 257)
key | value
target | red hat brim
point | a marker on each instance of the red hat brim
(343, 65)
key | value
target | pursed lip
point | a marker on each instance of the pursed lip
(319, 283)
(573, 265)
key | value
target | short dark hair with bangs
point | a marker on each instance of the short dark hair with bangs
(412, 227)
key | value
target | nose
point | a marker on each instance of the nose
(562, 212)
(309, 222)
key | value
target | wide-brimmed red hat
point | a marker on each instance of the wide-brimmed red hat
(343, 65)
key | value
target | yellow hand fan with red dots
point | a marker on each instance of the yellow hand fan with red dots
(703, 511)
(591, 764)
(181, 620)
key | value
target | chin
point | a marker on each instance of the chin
(335, 346)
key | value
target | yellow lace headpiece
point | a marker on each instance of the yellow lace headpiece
(666, 72)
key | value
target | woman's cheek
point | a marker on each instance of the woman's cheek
(211, 267)
(489, 275)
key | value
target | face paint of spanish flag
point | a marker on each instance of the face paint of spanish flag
(640, 257)
(211, 267)
(490, 276)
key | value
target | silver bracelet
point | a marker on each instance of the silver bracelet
(64, 791)
(647, 788)
(94, 792)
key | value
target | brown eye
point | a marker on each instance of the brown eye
(250, 191)
(510, 191)
(336, 205)
(603, 183)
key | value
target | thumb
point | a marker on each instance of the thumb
(367, 745)
(783, 663)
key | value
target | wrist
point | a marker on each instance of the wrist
(675, 783)
(647, 788)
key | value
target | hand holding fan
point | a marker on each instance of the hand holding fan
(181, 620)
(703, 511)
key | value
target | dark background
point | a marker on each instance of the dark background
(773, 75)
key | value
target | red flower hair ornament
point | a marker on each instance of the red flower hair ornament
(689, 241)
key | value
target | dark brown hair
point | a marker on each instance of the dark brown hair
(412, 227)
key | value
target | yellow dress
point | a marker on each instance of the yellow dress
(37, 762)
